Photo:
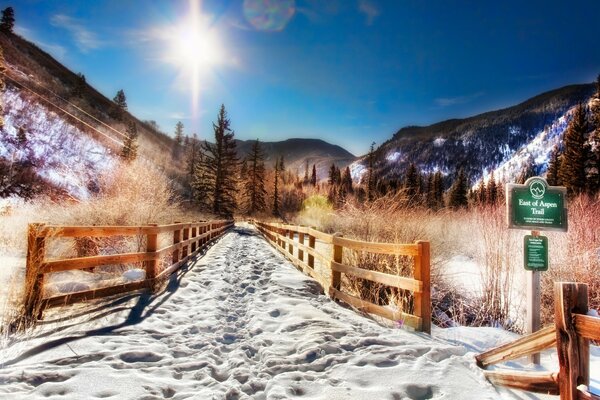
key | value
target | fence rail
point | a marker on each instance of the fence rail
(188, 240)
(283, 237)
(571, 335)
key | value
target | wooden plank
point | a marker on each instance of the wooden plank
(365, 306)
(587, 326)
(573, 351)
(151, 265)
(93, 294)
(422, 272)
(336, 257)
(585, 395)
(532, 381)
(300, 243)
(34, 277)
(311, 249)
(176, 239)
(324, 237)
(94, 261)
(380, 277)
(521, 347)
(94, 231)
(379, 248)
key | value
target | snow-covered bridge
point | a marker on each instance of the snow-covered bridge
(241, 322)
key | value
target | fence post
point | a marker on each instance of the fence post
(290, 245)
(301, 242)
(422, 273)
(337, 256)
(34, 280)
(176, 239)
(573, 351)
(194, 234)
(151, 265)
(186, 247)
(311, 244)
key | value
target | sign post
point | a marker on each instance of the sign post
(536, 206)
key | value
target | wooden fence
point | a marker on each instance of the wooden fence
(571, 335)
(188, 240)
(283, 237)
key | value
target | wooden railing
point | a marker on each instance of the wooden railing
(571, 335)
(188, 240)
(287, 238)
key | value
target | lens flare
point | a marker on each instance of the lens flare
(269, 15)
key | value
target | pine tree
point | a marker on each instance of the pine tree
(332, 177)
(457, 198)
(347, 181)
(8, 20)
(120, 105)
(553, 168)
(572, 162)
(80, 85)
(430, 199)
(178, 140)
(130, 146)
(254, 187)
(313, 176)
(492, 190)
(275, 209)
(438, 190)
(594, 150)
(306, 178)
(411, 182)
(214, 182)
(371, 173)
(481, 192)
(21, 136)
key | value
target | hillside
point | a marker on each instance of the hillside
(297, 153)
(479, 143)
(74, 137)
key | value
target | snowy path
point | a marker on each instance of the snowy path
(242, 323)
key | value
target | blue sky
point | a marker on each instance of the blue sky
(347, 71)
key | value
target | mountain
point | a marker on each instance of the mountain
(74, 137)
(484, 142)
(298, 153)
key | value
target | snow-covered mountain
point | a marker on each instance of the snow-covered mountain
(501, 141)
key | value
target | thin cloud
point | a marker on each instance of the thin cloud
(453, 101)
(85, 39)
(370, 10)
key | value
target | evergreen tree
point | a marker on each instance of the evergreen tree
(214, 181)
(572, 162)
(492, 190)
(120, 105)
(430, 193)
(594, 150)
(347, 180)
(178, 140)
(130, 146)
(438, 190)
(332, 175)
(21, 136)
(457, 198)
(553, 168)
(313, 177)
(306, 179)
(276, 190)
(411, 181)
(80, 85)
(371, 173)
(8, 20)
(254, 188)
(481, 192)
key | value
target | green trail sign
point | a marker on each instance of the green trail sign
(536, 253)
(536, 206)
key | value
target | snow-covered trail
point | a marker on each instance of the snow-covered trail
(241, 323)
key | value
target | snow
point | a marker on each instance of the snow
(60, 152)
(357, 170)
(393, 156)
(439, 142)
(241, 323)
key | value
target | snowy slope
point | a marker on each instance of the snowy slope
(59, 152)
(243, 323)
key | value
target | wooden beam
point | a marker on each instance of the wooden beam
(573, 351)
(378, 248)
(380, 277)
(152, 264)
(532, 381)
(521, 347)
(587, 326)
(422, 272)
(92, 294)
(324, 237)
(94, 261)
(336, 257)
(585, 395)
(368, 307)
(34, 277)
